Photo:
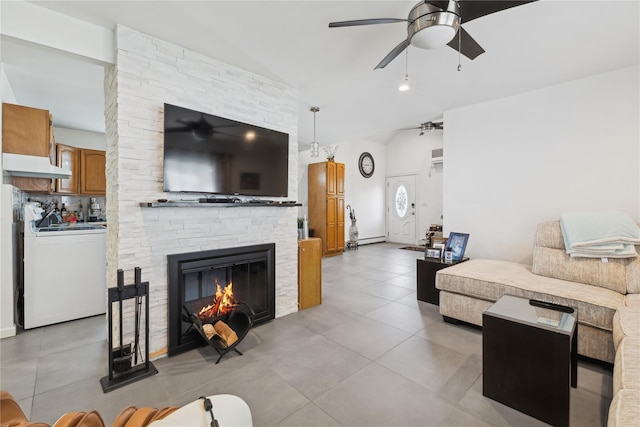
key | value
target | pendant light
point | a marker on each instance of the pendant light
(315, 145)
(404, 85)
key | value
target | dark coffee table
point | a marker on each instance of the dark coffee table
(529, 357)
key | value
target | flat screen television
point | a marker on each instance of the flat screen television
(209, 154)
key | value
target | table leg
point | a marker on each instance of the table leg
(574, 358)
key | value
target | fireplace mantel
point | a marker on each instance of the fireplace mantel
(187, 204)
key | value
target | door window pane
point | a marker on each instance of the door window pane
(401, 201)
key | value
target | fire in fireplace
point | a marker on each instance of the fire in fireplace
(223, 303)
(211, 283)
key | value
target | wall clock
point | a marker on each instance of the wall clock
(366, 165)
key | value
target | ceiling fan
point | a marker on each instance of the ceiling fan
(427, 127)
(432, 24)
(200, 128)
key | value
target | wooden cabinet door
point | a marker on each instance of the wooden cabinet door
(339, 223)
(28, 131)
(331, 178)
(93, 180)
(309, 272)
(340, 178)
(25, 130)
(68, 159)
(332, 224)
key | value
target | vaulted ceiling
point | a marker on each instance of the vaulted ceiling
(527, 47)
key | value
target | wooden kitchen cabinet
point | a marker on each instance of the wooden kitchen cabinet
(87, 168)
(28, 131)
(68, 159)
(326, 205)
(93, 180)
(309, 272)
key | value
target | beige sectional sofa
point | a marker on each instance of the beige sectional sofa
(605, 294)
(625, 407)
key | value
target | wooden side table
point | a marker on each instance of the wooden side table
(426, 283)
(309, 272)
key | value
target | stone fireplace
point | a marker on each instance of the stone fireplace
(197, 278)
(148, 73)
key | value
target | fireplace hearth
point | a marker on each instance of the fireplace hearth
(198, 279)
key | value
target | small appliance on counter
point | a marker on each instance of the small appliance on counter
(94, 210)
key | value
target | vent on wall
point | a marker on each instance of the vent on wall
(436, 156)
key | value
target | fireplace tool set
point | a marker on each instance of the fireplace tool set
(126, 362)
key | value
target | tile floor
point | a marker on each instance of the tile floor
(370, 355)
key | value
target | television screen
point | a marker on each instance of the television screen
(209, 154)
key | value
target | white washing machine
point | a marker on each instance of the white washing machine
(64, 271)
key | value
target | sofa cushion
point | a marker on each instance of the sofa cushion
(551, 260)
(556, 263)
(549, 235)
(626, 368)
(622, 275)
(624, 410)
(632, 299)
(490, 279)
(626, 322)
(633, 275)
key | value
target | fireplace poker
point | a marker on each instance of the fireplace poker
(122, 358)
(138, 281)
(120, 296)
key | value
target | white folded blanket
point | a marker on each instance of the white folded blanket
(600, 234)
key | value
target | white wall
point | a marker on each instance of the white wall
(80, 138)
(365, 195)
(513, 162)
(7, 326)
(409, 153)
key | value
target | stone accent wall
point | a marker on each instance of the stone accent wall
(148, 73)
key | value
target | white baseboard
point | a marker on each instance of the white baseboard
(8, 332)
(368, 240)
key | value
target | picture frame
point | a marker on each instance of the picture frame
(448, 257)
(457, 244)
(432, 253)
(439, 246)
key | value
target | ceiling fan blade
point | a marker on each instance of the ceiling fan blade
(468, 46)
(395, 52)
(472, 9)
(365, 22)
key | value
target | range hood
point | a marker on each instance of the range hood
(32, 166)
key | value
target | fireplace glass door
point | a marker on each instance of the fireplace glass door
(211, 283)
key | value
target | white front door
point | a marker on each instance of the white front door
(401, 209)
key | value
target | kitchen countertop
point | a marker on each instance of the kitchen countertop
(67, 229)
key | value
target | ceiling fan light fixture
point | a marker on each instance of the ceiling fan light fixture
(433, 37)
(432, 27)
